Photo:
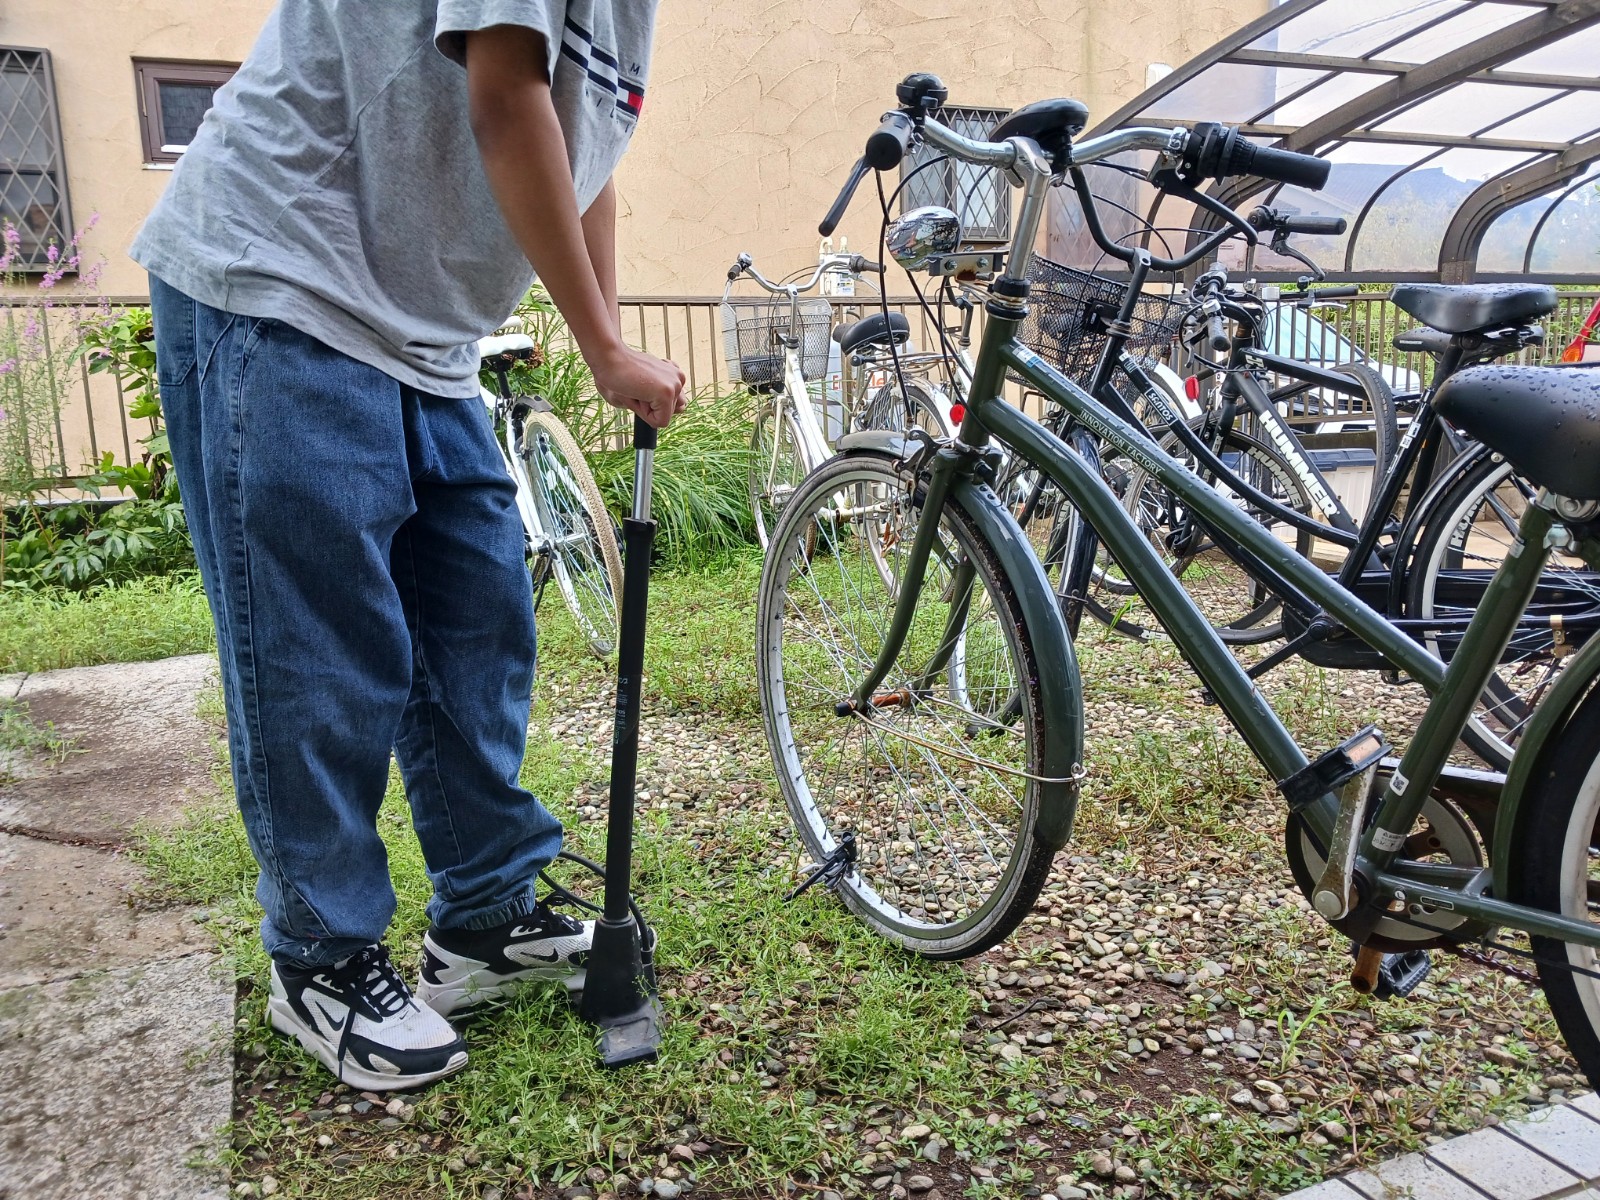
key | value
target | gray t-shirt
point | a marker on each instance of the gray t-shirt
(335, 184)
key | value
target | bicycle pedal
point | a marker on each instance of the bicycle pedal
(1398, 975)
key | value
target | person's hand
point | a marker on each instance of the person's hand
(640, 383)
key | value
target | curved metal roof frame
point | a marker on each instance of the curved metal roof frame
(1498, 33)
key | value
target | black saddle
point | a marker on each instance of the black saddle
(874, 330)
(1472, 307)
(1545, 420)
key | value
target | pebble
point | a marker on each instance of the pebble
(915, 1133)
(920, 1183)
(668, 1189)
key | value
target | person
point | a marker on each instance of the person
(373, 191)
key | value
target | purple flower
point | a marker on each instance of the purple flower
(51, 253)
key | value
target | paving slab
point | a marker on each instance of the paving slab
(1328, 1189)
(65, 910)
(140, 752)
(1563, 1134)
(1588, 1104)
(1411, 1177)
(1500, 1166)
(114, 1082)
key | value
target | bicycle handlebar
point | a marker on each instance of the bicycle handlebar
(854, 264)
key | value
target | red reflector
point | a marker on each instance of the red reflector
(958, 413)
(1191, 387)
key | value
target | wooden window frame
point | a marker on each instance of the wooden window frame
(149, 74)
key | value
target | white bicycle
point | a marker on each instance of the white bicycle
(570, 535)
(777, 346)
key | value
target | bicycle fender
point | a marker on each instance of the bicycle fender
(1060, 685)
(1549, 718)
(877, 441)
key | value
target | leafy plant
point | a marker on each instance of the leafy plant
(40, 343)
(125, 346)
(699, 497)
(700, 493)
(78, 545)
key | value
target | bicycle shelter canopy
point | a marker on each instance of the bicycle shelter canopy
(1464, 137)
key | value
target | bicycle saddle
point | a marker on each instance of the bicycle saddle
(518, 345)
(1544, 420)
(1471, 307)
(874, 330)
(1051, 123)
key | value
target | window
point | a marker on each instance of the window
(173, 97)
(33, 185)
(980, 196)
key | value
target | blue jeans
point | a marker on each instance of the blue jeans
(360, 546)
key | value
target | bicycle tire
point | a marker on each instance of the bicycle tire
(1385, 425)
(816, 755)
(886, 410)
(585, 559)
(1552, 869)
(1439, 567)
(1255, 624)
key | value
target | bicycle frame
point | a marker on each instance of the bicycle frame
(1428, 887)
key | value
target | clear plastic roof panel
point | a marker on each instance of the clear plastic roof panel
(1464, 134)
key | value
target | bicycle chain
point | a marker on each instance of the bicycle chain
(1484, 959)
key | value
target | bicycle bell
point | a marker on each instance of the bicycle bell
(922, 235)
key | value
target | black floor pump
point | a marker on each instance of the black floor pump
(619, 991)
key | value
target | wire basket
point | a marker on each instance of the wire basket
(1068, 311)
(752, 331)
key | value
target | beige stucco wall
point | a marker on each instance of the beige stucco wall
(754, 110)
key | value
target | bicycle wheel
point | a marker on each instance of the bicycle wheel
(1385, 428)
(1555, 866)
(584, 559)
(915, 408)
(1463, 541)
(1240, 607)
(937, 797)
(777, 465)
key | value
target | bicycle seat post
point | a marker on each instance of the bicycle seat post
(619, 993)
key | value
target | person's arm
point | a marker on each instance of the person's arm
(525, 158)
(600, 236)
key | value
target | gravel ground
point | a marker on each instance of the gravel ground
(1169, 1020)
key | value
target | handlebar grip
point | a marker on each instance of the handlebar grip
(1318, 226)
(862, 265)
(842, 202)
(888, 145)
(1340, 292)
(644, 434)
(1283, 166)
(1217, 332)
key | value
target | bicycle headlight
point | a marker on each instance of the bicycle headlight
(922, 235)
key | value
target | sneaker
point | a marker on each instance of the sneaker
(359, 1019)
(463, 967)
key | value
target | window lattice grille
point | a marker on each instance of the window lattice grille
(33, 191)
(978, 195)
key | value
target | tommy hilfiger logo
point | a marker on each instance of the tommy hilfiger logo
(602, 68)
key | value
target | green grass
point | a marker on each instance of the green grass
(131, 622)
(749, 979)
(21, 737)
(792, 1030)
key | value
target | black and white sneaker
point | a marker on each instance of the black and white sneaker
(360, 1020)
(463, 967)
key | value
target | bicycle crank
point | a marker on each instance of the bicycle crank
(1443, 834)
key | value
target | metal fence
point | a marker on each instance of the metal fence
(94, 407)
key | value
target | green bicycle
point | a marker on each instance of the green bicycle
(935, 811)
